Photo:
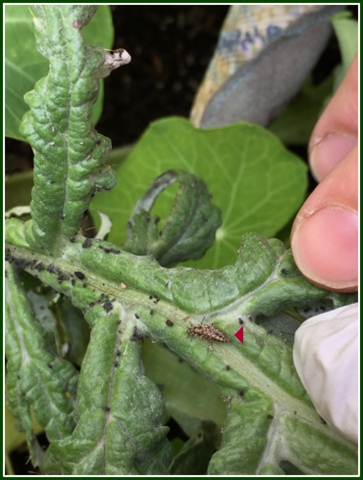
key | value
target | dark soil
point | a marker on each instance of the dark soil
(170, 47)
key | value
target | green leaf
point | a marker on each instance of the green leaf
(254, 180)
(187, 232)
(195, 455)
(24, 65)
(346, 30)
(188, 396)
(120, 412)
(36, 376)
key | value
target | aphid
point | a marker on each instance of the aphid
(79, 275)
(87, 243)
(207, 332)
(169, 323)
(107, 306)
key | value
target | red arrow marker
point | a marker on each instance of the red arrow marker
(240, 335)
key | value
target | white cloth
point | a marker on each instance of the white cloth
(326, 358)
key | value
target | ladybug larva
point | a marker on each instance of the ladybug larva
(207, 332)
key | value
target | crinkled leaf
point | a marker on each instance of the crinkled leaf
(245, 435)
(254, 180)
(69, 154)
(37, 377)
(261, 435)
(119, 411)
(14, 439)
(24, 65)
(187, 232)
(163, 302)
(263, 280)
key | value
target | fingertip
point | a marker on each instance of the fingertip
(325, 248)
(326, 153)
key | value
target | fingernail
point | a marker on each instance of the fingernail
(325, 153)
(325, 247)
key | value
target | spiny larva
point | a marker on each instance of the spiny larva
(207, 332)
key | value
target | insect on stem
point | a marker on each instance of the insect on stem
(208, 332)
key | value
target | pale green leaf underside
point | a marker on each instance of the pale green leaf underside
(119, 411)
(254, 180)
(24, 65)
(37, 377)
(260, 435)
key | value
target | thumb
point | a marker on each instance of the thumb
(326, 359)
